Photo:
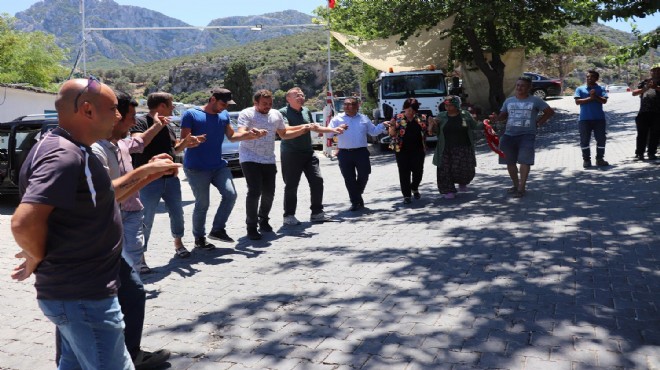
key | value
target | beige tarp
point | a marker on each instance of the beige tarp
(417, 52)
(475, 83)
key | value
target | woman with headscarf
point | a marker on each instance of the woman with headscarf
(454, 153)
(408, 132)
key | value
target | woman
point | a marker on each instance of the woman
(408, 132)
(454, 153)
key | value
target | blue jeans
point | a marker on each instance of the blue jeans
(200, 182)
(598, 128)
(168, 188)
(91, 333)
(133, 247)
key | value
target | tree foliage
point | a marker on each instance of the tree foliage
(626, 9)
(31, 58)
(237, 80)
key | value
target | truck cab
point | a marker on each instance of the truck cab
(393, 88)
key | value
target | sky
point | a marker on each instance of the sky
(198, 12)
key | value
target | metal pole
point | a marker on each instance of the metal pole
(84, 40)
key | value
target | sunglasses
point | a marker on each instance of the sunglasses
(93, 85)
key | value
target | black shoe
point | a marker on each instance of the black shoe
(652, 157)
(150, 360)
(417, 195)
(203, 244)
(407, 200)
(253, 233)
(221, 235)
(265, 227)
(586, 163)
(602, 162)
(356, 207)
(639, 157)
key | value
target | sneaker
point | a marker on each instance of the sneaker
(639, 157)
(450, 196)
(146, 360)
(652, 157)
(356, 207)
(462, 188)
(221, 235)
(416, 195)
(253, 233)
(320, 217)
(203, 244)
(586, 163)
(265, 227)
(602, 162)
(291, 221)
(407, 200)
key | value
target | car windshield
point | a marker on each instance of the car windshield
(422, 85)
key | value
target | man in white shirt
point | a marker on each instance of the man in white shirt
(353, 154)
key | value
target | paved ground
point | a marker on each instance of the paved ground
(565, 278)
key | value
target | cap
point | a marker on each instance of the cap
(223, 94)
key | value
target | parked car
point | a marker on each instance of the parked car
(617, 88)
(543, 86)
(16, 139)
(317, 141)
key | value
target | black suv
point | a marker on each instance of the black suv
(543, 86)
(16, 139)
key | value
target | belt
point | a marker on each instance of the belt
(353, 149)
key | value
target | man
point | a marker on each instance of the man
(353, 154)
(114, 154)
(648, 118)
(69, 227)
(521, 112)
(204, 165)
(297, 157)
(590, 98)
(168, 187)
(257, 158)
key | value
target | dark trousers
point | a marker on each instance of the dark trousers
(355, 168)
(293, 166)
(598, 128)
(260, 179)
(648, 132)
(132, 299)
(410, 163)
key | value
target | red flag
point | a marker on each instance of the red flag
(331, 4)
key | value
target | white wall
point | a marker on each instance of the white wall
(18, 102)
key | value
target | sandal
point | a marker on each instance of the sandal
(182, 252)
(519, 194)
(512, 190)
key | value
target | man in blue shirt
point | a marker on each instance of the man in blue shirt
(590, 98)
(204, 165)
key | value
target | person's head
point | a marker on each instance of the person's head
(126, 106)
(411, 105)
(523, 86)
(263, 101)
(452, 103)
(655, 72)
(295, 97)
(87, 109)
(161, 103)
(351, 106)
(219, 100)
(592, 77)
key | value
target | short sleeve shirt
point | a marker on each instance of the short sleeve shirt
(261, 150)
(592, 110)
(208, 155)
(163, 142)
(523, 114)
(84, 237)
(650, 100)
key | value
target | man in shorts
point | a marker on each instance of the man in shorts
(521, 112)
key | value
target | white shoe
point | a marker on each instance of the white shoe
(291, 220)
(320, 217)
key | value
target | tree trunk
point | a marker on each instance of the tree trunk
(493, 70)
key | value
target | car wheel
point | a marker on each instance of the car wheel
(539, 93)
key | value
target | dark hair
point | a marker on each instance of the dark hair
(526, 79)
(263, 93)
(353, 98)
(591, 71)
(158, 98)
(124, 101)
(411, 103)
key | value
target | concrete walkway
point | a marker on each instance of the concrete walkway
(565, 278)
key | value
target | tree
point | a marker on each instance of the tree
(479, 26)
(617, 9)
(237, 80)
(31, 58)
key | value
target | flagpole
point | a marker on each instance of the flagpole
(329, 110)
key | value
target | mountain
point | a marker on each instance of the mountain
(62, 18)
